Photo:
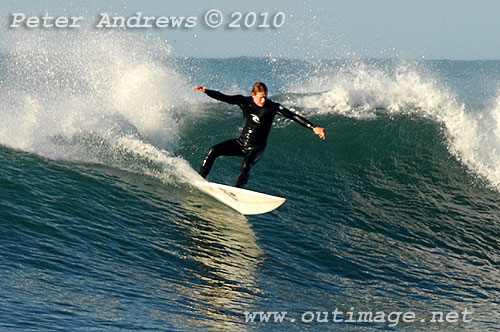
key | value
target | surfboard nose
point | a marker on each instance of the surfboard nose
(244, 201)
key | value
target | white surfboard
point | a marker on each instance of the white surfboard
(242, 200)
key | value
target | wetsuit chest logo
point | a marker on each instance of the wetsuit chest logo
(255, 118)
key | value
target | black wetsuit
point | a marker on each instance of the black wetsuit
(253, 139)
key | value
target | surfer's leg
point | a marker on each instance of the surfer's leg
(252, 157)
(226, 148)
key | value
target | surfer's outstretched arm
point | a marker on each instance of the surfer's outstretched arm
(302, 121)
(236, 99)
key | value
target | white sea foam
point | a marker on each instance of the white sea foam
(476, 141)
(360, 90)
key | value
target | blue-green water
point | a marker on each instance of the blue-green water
(397, 211)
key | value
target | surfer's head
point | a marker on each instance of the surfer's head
(259, 94)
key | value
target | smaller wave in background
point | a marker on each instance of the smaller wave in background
(363, 91)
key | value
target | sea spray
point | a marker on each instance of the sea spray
(89, 96)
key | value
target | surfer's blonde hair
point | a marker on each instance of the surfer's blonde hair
(259, 87)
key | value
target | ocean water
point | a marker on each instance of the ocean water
(397, 212)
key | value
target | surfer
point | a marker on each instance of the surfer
(258, 112)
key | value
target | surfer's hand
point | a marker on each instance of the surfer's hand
(200, 88)
(320, 132)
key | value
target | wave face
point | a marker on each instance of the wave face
(100, 136)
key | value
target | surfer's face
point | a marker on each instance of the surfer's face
(259, 98)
